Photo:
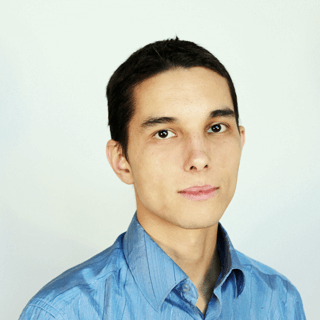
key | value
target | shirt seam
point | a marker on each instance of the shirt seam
(99, 260)
(40, 307)
(123, 286)
(268, 274)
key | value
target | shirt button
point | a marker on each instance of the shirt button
(185, 288)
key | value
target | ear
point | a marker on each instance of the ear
(242, 135)
(118, 162)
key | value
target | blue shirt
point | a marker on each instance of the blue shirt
(136, 279)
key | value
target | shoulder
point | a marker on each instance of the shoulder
(79, 284)
(257, 266)
(258, 273)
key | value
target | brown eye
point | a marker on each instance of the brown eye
(219, 127)
(162, 134)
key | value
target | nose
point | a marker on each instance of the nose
(197, 164)
(197, 159)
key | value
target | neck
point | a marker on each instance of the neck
(193, 250)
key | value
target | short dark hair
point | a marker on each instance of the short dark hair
(145, 63)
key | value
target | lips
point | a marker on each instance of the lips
(197, 189)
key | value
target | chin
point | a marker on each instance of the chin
(197, 222)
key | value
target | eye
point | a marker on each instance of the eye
(219, 127)
(162, 134)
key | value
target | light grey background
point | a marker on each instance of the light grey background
(60, 201)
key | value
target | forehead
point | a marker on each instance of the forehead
(181, 93)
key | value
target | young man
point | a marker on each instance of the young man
(173, 117)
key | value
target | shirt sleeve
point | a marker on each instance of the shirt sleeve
(34, 312)
(294, 308)
(299, 312)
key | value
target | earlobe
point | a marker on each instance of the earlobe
(242, 135)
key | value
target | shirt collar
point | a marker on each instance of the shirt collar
(148, 264)
(229, 261)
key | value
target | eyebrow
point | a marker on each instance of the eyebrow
(154, 121)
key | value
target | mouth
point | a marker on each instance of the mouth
(197, 189)
(200, 194)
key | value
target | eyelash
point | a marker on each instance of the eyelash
(221, 124)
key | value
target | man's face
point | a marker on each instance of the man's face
(169, 157)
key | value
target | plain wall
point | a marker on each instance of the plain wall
(60, 200)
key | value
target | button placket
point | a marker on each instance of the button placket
(185, 288)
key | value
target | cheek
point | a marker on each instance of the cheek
(153, 183)
(151, 173)
(229, 161)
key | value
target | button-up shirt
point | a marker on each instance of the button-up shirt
(136, 279)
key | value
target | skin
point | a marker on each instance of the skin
(188, 154)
